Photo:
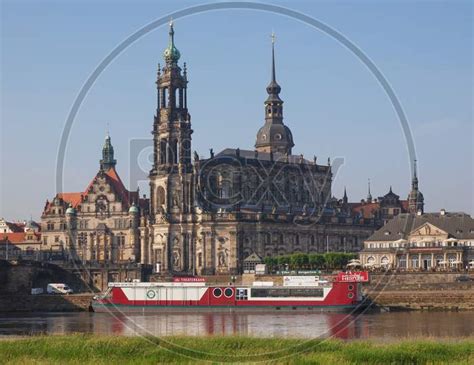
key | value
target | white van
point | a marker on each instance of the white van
(58, 288)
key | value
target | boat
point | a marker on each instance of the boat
(340, 293)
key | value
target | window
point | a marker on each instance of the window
(82, 239)
(217, 292)
(228, 292)
(56, 238)
(242, 294)
(281, 293)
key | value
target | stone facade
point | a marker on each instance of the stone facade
(100, 224)
(206, 215)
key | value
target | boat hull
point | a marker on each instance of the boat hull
(120, 308)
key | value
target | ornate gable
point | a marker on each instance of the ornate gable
(427, 230)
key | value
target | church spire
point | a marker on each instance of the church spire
(274, 136)
(414, 181)
(415, 198)
(107, 162)
(369, 195)
(171, 53)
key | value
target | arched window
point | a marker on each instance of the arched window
(164, 99)
(163, 151)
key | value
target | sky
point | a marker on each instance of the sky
(332, 102)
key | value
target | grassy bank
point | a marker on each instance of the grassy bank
(85, 349)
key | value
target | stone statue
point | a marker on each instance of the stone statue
(176, 259)
(222, 258)
(175, 200)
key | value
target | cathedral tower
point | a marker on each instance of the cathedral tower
(171, 177)
(108, 160)
(274, 136)
(415, 198)
(172, 135)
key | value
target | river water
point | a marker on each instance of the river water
(380, 326)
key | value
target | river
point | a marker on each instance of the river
(380, 326)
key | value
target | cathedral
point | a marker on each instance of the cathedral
(205, 216)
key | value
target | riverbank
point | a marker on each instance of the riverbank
(84, 349)
(45, 303)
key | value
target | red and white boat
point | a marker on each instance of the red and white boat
(341, 293)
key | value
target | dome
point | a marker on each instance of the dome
(171, 54)
(276, 135)
(133, 209)
(70, 211)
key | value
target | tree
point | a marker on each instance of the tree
(298, 261)
(316, 261)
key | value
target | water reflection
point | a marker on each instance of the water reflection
(310, 325)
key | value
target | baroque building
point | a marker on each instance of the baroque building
(422, 241)
(99, 224)
(208, 215)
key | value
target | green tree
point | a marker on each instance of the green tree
(271, 263)
(316, 261)
(283, 261)
(298, 261)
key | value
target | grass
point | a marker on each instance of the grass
(88, 349)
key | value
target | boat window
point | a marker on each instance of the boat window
(278, 293)
(228, 292)
(241, 294)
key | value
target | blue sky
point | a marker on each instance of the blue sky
(333, 105)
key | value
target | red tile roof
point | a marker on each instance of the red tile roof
(367, 209)
(17, 237)
(72, 198)
(128, 197)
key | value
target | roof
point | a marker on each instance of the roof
(119, 187)
(17, 237)
(265, 156)
(458, 225)
(253, 257)
(16, 226)
(367, 209)
(75, 199)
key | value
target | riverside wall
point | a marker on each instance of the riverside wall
(45, 303)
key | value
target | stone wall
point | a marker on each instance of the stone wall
(45, 303)
(431, 291)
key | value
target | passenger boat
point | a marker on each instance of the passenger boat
(340, 293)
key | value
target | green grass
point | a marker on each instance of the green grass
(88, 349)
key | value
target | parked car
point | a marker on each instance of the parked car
(36, 291)
(58, 288)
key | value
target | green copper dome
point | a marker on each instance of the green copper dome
(133, 209)
(70, 211)
(171, 53)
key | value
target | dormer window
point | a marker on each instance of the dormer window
(387, 233)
